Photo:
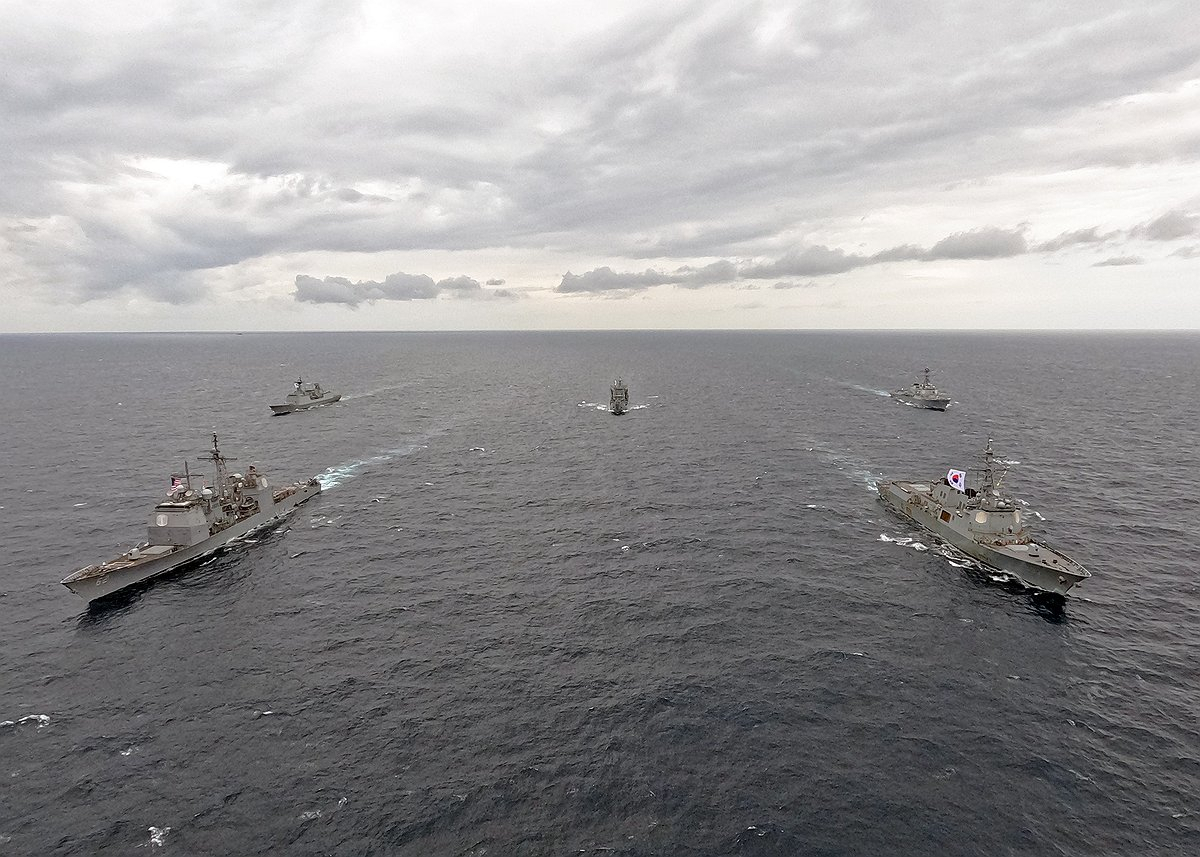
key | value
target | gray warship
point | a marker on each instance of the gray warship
(618, 402)
(923, 394)
(194, 521)
(303, 397)
(985, 524)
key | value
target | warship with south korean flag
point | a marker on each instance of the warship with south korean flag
(975, 516)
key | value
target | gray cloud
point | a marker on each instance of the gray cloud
(1091, 235)
(722, 271)
(813, 261)
(605, 279)
(339, 290)
(331, 290)
(902, 253)
(462, 285)
(495, 282)
(1170, 227)
(394, 287)
(1118, 261)
(808, 262)
(988, 243)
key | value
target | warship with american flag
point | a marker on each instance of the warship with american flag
(194, 520)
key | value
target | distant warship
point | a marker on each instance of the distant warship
(618, 402)
(923, 394)
(305, 396)
(985, 524)
(193, 522)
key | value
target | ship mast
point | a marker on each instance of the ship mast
(990, 479)
(219, 460)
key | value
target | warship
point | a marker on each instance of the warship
(985, 524)
(194, 521)
(303, 397)
(618, 402)
(923, 394)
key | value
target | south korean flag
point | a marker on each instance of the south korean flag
(957, 478)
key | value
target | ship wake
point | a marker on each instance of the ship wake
(852, 468)
(903, 541)
(342, 473)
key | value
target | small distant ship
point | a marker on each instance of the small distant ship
(985, 524)
(618, 402)
(305, 396)
(923, 394)
(194, 521)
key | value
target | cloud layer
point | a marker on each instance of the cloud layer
(817, 260)
(394, 287)
(202, 157)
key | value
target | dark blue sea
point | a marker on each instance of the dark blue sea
(514, 624)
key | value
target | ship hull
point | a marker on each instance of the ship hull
(95, 587)
(1036, 575)
(280, 410)
(917, 402)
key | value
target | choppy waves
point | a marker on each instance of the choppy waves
(535, 629)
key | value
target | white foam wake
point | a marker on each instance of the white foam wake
(853, 468)
(375, 391)
(903, 541)
(42, 720)
(870, 390)
(335, 476)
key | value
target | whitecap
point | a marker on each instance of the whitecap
(310, 815)
(78, 505)
(158, 835)
(42, 720)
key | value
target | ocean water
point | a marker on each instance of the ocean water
(514, 624)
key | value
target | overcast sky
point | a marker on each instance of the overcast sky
(259, 165)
